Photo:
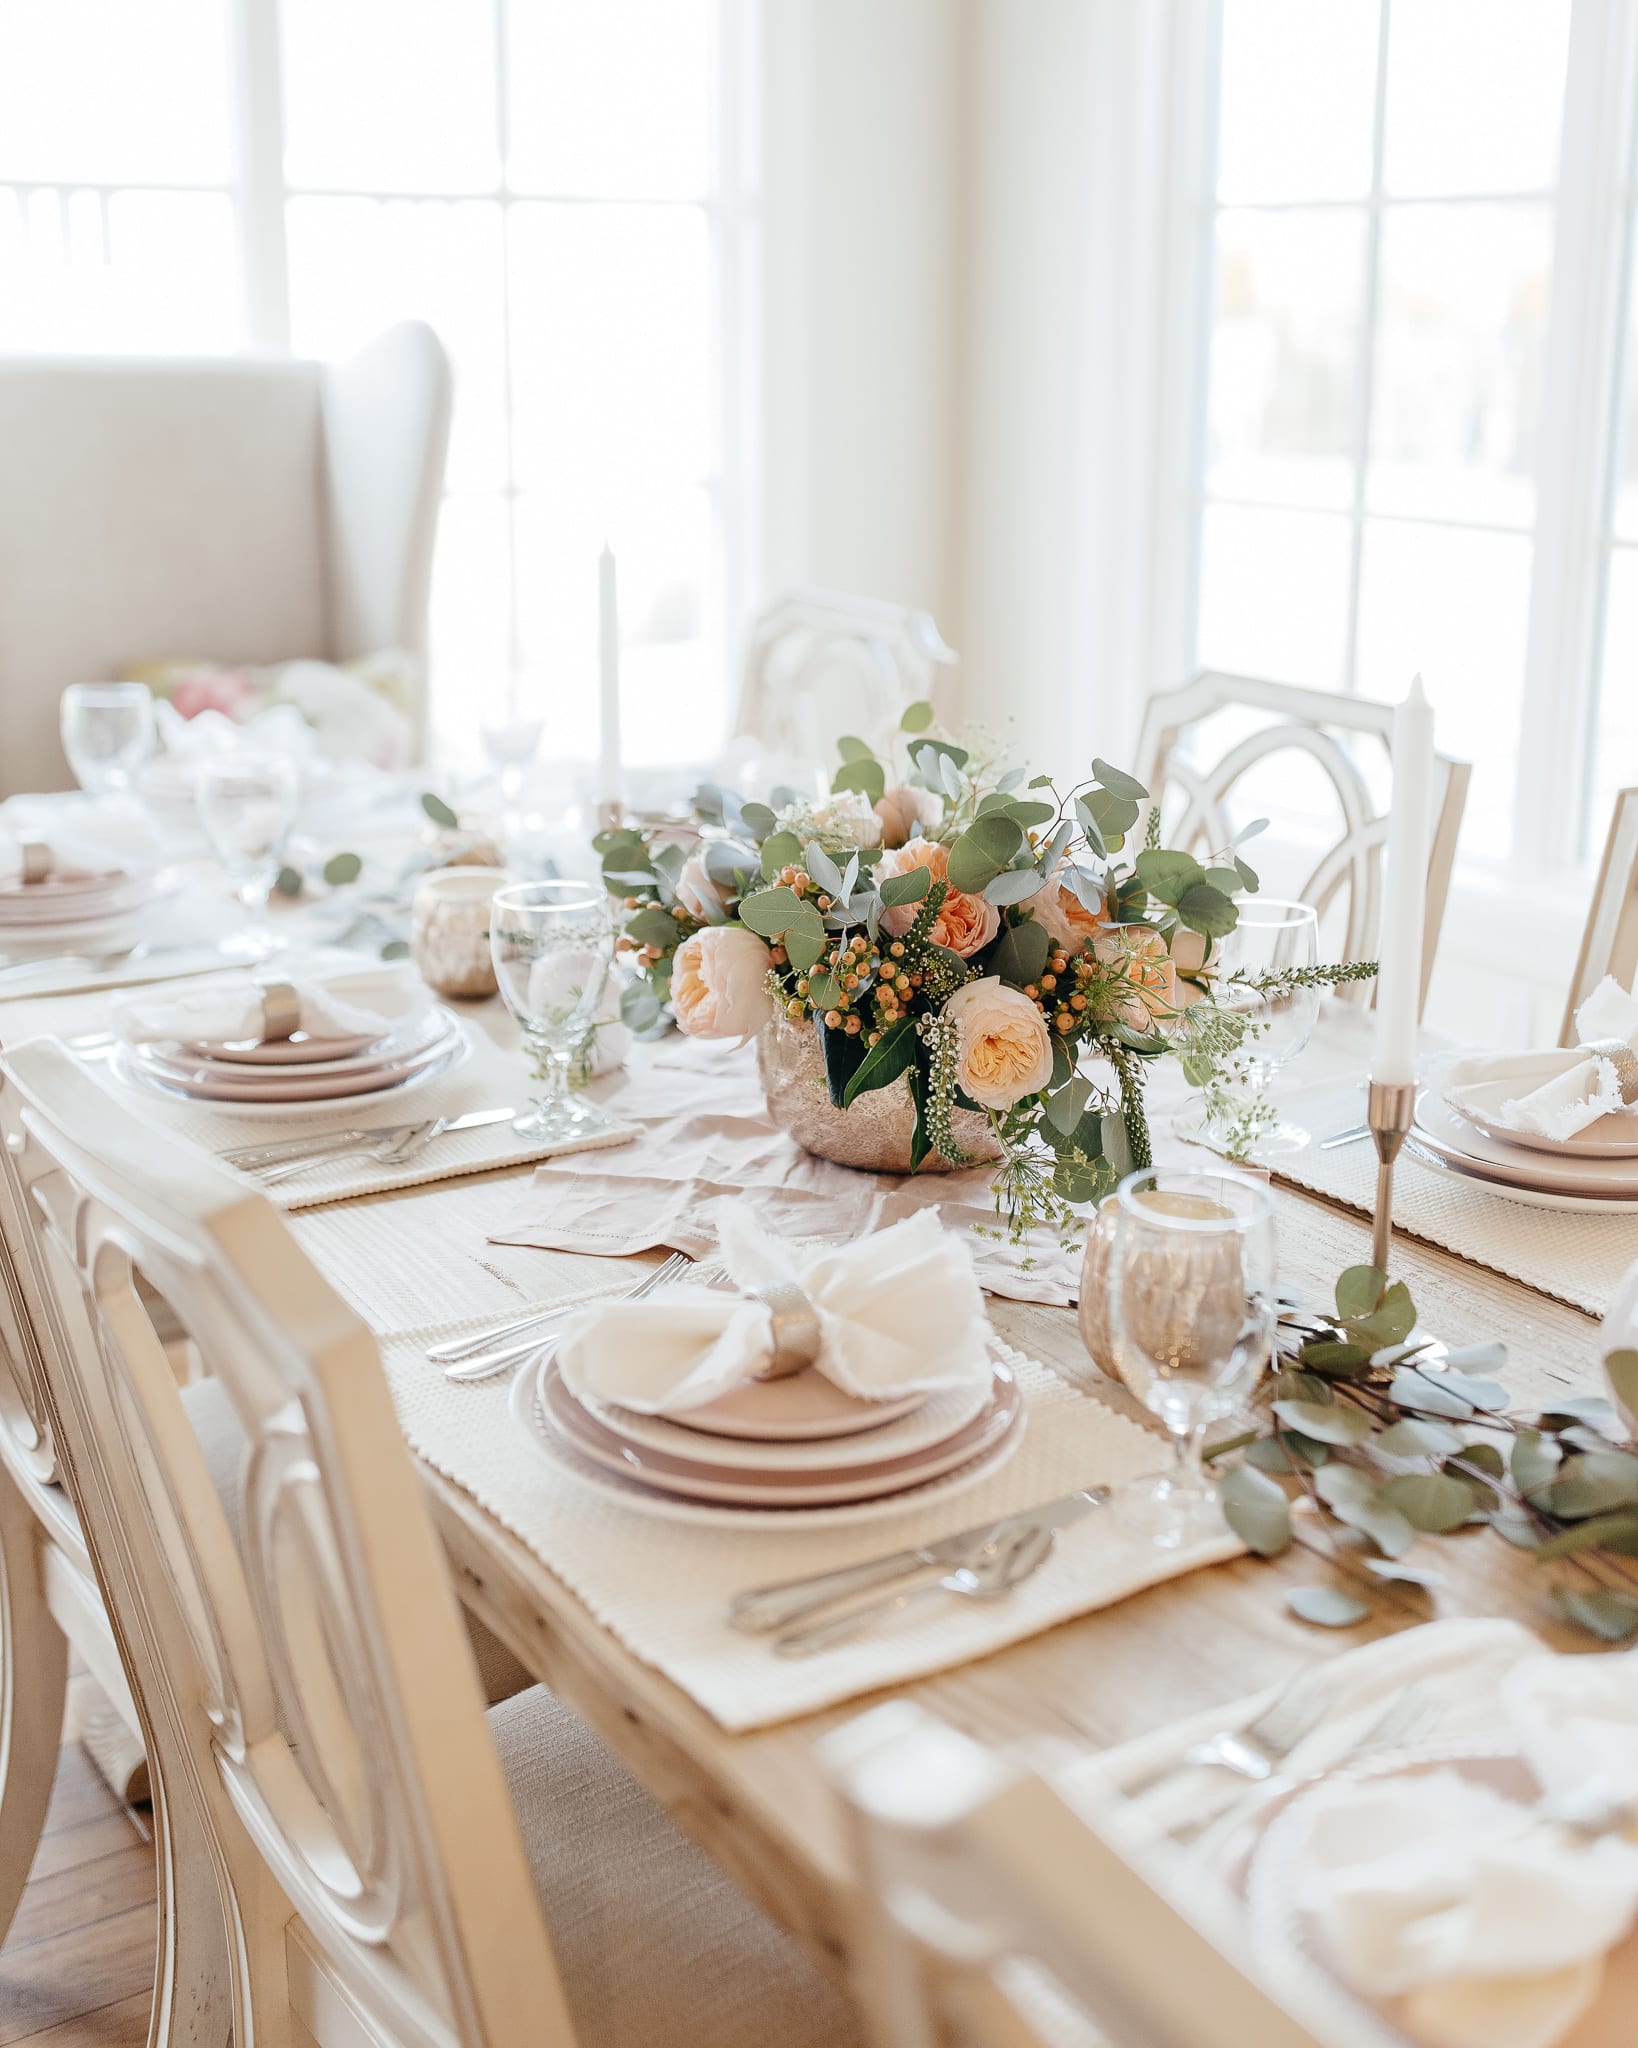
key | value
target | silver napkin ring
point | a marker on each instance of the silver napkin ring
(281, 1010)
(1622, 1058)
(36, 860)
(795, 1329)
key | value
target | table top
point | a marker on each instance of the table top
(757, 1801)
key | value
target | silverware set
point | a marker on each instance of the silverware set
(387, 1144)
(485, 1354)
(981, 1563)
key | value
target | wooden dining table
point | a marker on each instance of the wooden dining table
(758, 1802)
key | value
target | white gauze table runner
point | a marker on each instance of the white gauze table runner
(491, 1077)
(662, 1586)
(706, 1138)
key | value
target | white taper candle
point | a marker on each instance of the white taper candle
(608, 681)
(1405, 891)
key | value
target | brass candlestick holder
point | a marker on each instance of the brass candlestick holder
(1390, 1109)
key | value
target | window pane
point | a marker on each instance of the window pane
(1284, 356)
(673, 683)
(114, 93)
(1454, 608)
(611, 344)
(1615, 757)
(1464, 295)
(1625, 508)
(142, 272)
(357, 265)
(390, 95)
(1298, 99)
(1475, 90)
(1274, 595)
(611, 97)
(471, 622)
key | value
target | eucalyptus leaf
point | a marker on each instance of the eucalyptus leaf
(1250, 831)
(917, 717)
(1413, 1438)
(910, 887)
(780, 850)
(851, 748)
(1118, 781)
(804, 948)
(950, 776)
(823, 869)
(1430, 1500)
(1382, 1522)
(1589, 1408)
(1404, 1574)
(1328, 1354)
(772, 911)
(1359, 1289)
(885, 1061)
(1207, 910)
(1413, 1389)
(1621, 1370)
(1334, 1423)
(1534, 1460)
(1326, 1606)
(1592, 1484)
(1168, 875)
(983, 850)
(438, 811)
(395, 949)
(1476, 1358)
(639, 1007)
(1020, 955)
(653, 927)
(1013, 885)
(288, 882)
(1617, 1532)
(759, 820)
(1256, 1510)
(1342, 1485)
(868, 777)
(1609, 1614)
(342, 868)
(1065, 1108)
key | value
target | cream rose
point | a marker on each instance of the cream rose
(698, 894)
(1065, 916)
(1003, 1047)
(966, 924)
(719, 983)
(901, 810)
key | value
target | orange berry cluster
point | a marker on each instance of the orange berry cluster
(1064, 1009)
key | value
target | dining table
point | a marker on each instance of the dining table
(756, 1797)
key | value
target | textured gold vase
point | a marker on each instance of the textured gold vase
(1097, 1325)
(875, 1133)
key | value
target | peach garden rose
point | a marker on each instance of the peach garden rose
(1003, 1047)
(966, 924)
(1065, 916)
(719, 983)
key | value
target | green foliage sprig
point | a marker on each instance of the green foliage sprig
(1388, 1444)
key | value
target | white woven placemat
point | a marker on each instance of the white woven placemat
(663, 1586)
(490, 1077)
(1564, 1253)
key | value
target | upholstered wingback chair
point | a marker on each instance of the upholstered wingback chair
(242, 510)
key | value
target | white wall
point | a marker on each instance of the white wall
(859, 284)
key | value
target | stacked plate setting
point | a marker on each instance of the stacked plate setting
(288, 1076)
(1596, 1171)
(72, 908)
(779, 1446)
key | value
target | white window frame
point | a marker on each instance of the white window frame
(1593, 233)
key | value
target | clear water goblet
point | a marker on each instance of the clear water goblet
(552, 944)
(107, 733)
(1273, 936)
(247, 805)
(1193, 1307)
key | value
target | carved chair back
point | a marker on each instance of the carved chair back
(303, 1627)
(1225, 749)
(1609, 945)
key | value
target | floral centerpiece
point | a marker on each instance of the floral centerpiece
(968, 952)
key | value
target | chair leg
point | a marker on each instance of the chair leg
(33, 1680)
(193, 1975)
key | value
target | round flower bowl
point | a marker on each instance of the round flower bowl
(875, 1133)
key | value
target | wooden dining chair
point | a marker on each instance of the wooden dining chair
(1609, 944)
(1346, 743)
(995, 1913)
(821, 663)
(388, 1863)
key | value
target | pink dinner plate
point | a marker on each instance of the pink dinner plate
(266, 1099)
(1613, 1137)
(1453, 1138)
(430, 1027)
(794, 1410)
(696, 1480)
(301, 1050)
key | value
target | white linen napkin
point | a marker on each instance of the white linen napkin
(349, 1004)
(899, 1312)
(1489, 1917)
(1563, 1091)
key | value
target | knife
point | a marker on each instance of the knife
(765, 1608)
(329, 1141)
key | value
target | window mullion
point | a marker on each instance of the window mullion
(1580, 383)
(258, 86)
(1365, 389)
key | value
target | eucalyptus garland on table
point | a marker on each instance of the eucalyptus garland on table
(957, 924)
(1389, 1444)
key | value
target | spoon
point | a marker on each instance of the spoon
(989, 1574)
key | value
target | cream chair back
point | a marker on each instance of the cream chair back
(1609, 945)
(1225, 748)
(239, 510)
(820, 664)
(996, 1914)
(302, 1625)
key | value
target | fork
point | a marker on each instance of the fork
(497, 1333)
(1254, 1751)
(491, 1363)
(392, 1151)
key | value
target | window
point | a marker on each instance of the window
(1418, 432)
(557, 186)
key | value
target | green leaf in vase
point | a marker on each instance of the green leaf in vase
(884, 1062)
(917, 717)
(1020, 955)
(866, 776)
(1256, 1510)
(1430, 1501)
(983, 850)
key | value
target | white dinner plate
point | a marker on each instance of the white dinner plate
(1613, 1137)
(1457, 1143)
(426, 1029)
(1529, 1198)
(309, 1109)
(528, 1415)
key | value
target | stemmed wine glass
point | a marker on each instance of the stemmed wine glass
(552, 944)
(1272, 936)
(247, 804)
(107, 733)
(1193, 1305)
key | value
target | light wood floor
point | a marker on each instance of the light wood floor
(77, 1967)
